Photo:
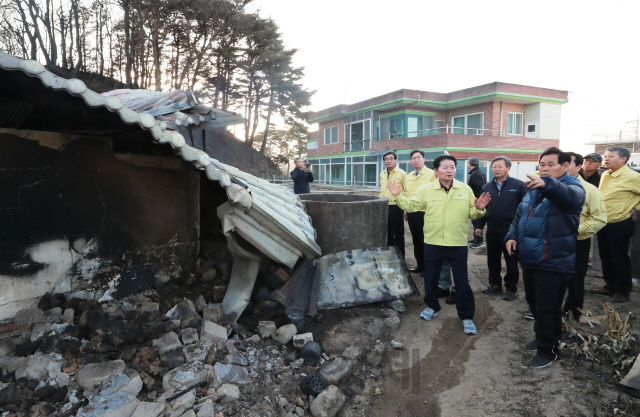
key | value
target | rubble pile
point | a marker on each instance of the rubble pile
(139, 357)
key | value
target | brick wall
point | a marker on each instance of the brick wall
(511, 107)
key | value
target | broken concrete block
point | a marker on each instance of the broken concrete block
(189, 335)
(68, 316)
(32, 315)
(128, 381)
(118, 404)
(149, 307)
(178, 406)
(167, 342)
(11, 363)
(34, 367)
(62, 379)
(212, 312)
(266, 329)
(93, 374)
(146, 409)
(206, 409)
(54, 369)
(397, 305)
(236, 358)
(375, 329)
(285, 333)
(189, 413)
(212, 331)
(335, 370)
(300, 339)
(39, 331)
(186, 375)
(228, 393)
(353, 353)
(184, 309)
(172, 359)
(207, 273)
(397, 345)
(200, 303)
(225, 373)
(375, 357)
(195, 352)
(328, 403)
(392, 323)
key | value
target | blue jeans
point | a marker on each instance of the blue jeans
(456, 256)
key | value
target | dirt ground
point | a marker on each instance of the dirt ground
(444, 372)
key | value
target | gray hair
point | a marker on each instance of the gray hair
(474, 161)
(506, 160)
(297, 159)
(622, 151)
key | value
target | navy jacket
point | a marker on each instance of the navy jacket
(476, 181)
(503, 205)
(546, 225)
(301, 181)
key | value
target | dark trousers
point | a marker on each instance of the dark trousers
(613, 242)
(457, 257)
(495, 249)
(475, 223)
(544, 291)
(575, 288)
(416, 225)
(395, 228)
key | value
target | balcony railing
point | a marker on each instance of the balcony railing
(620, 136)
(443, 130)
(357, 145)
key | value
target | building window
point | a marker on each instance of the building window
(468, 124)
(331, 135)
(514, 126)
(357, 135)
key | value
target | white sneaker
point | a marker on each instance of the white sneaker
(469, 327)
(428, 313)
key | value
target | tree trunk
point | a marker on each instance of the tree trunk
(266, 129)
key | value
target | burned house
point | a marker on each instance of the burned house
(104, 195)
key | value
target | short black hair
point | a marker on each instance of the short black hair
(390, 153)
(562, 156)
(439, 159)
(416, 151)
(579, 158)
(507, 161)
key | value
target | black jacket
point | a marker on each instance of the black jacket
(502, 208)
(477, 180)
(301, 181)
(593, 179)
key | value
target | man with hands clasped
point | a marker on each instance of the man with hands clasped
(545, 232)
(448, 205)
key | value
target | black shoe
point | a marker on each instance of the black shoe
(509, 296)
(471, 241)
(476, 245)
(416, 269)
(443, 293)
(492, 290)
(529, 316)
(532, 346)
(451, 299)
(542, 361)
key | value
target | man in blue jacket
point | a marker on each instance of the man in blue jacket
(506, 195)
(545, 232)
(301, 177)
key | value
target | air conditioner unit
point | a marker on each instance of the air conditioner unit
(531, 130)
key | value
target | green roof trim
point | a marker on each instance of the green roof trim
(399, 112)
(443, 105)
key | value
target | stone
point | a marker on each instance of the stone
(300, 339)
(62, 379)
(182, 310)
(392, 323)
(148, 306)
(118, 404)
(266, 328)
(189, 413)
(68, 316)
(328, 403)
(236, 358)
(206, 409)
(200, 303)
(207, 273)
(335, 370)
(147, 409)
(189, 336)
(397, 305)
(178, 406)
(187, 375)
(93, 374)
(172, 359)
(54, 369)
(10, 363)
(228, 393)
(285, 333)
(195, 352)
(7, 347)
(212, 312)
(128, 381)
(218, 293)
(34, 367)
(39, 331)
(375, 329)
(210, 331)
(353, 353)
(167, 342)
(375, 357)
(32, 315)
(225, 373)
(397, 345)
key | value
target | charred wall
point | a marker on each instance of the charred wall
(78, 218)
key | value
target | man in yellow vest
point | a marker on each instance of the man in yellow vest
(448, 205)
(395, 222)
(620, 187)
(420, 175)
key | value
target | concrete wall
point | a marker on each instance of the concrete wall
(79, 218)
(532, 116)
(549, 121)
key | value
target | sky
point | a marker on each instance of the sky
(353, 50)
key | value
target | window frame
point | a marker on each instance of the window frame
(513, 124)
(480, 130)
(330, 138)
